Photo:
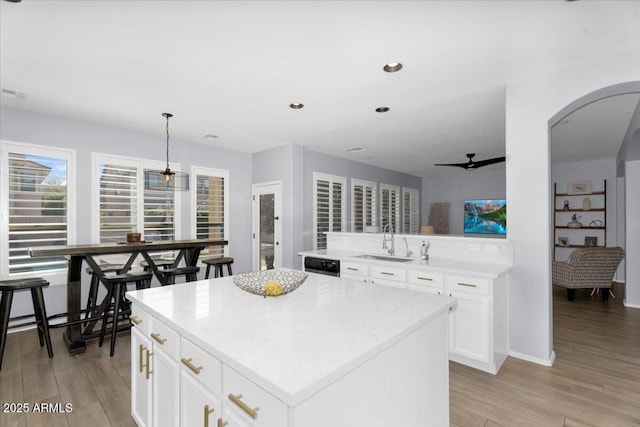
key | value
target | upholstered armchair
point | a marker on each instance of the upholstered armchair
(588, 268)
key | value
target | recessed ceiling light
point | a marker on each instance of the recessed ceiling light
(14, 93)
(355, 149)
(392, 67)
(210, 135)
(296, 105)
(14, 1)
(382, 109)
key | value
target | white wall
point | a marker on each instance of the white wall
(632, 202)
(530, 106)
(456, 186)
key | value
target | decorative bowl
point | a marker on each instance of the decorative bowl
(270, 282)
(133, 237)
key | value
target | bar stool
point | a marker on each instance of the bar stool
(117, 304)
(7, 287)
(218, 263)
(190, 273)
(92, 299)
(159, 262)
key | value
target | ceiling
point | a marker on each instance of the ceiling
(231, 69)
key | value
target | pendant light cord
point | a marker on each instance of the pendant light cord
(167, 127)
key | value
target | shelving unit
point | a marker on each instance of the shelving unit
(597, 213)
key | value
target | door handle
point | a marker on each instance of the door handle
(275, 218)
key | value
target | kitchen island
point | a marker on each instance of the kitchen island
(333, 352)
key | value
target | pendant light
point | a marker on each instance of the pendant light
(166, 179)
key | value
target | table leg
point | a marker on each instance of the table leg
(73, 335)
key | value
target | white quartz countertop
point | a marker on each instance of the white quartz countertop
(293, 345)
(483, 269)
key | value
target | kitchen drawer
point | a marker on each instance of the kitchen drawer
(140, 319)
(476, 285)
(389, 273)
(165, 338)
(354, 268)
(203, 366)
(425, 278)
(244, 397)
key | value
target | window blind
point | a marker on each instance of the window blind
(210, 209)
(410, 210)
(390, 205)
(363, 204)
(329, 207)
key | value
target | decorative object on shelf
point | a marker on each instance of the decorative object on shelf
(586, 204)
(574, 223)
(590, 241)
(566, 205)
(596, 223)
(579, 187)
(270, 282)
(427, 229)
(563, 241)
(166, 179)
(133, 237)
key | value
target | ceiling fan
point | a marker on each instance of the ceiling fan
(471, 165)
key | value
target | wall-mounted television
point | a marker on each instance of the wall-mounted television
(485, 216)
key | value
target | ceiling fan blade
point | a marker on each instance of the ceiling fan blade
(460, 165)
(481, 163)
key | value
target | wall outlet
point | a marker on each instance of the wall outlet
(490, 248)
(474, 248)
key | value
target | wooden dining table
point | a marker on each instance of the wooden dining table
(74, 336)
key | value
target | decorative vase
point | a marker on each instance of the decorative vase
(586, 204)
(574, 224)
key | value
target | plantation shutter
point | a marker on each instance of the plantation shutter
(159, 215)
(329, 210)
(363, 204)
(118, 202)
(38, 206)
(390, 205)
(410, 211)
(210, 210)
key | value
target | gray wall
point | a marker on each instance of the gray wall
(456, 186)
(34, 128)
(323, 163)
(630, 148)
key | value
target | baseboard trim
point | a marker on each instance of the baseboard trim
(626, 304)
(543, 362)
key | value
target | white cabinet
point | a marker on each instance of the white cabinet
(140, 378)
(478, 335)
(165, 374)
(199, 406)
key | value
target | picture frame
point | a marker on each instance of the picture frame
(563, 241)
(579, 187)
(590, 241)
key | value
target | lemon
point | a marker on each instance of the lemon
(273, 289)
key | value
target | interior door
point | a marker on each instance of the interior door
(267, 226)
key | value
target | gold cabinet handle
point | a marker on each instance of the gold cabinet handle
(387, 274)
(157, 338)
(471, 285)
(207, 412)
(352, 269)
(222, 423)
(149, 371)
(194, 368)
(135, 320)
(141, 350)
(425, 278)
(252, 412)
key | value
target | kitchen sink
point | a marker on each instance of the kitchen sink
(384, 258)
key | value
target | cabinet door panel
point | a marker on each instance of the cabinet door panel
(199, 407)
(233, 420)
(469, 327)
(166, 389)
(140, 385)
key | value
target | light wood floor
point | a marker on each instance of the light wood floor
(595, 380)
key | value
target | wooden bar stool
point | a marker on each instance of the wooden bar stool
(92, 299)
(218, 263)
(160, 262)
(7, 287)
(169, 274)
(117, 304)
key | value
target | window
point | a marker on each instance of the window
(122, 205)
(329, 213)
(410, 210)
(363, 204)
(210, 204)
(38, 198)
(390, 205)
